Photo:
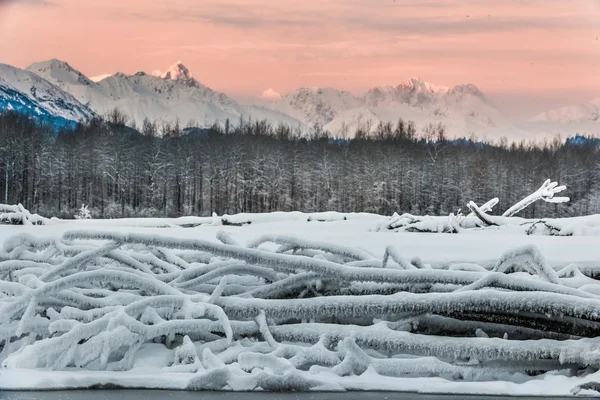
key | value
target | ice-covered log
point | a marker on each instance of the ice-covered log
(429, 224)
(289, 263)
(394, 254)
(578, 352)
(530, 259)
(19, 215)
(247, 318)
(479, 213)
(357, 361)
(482, 301)
(446, 326)
(479, 217)
(294, 243)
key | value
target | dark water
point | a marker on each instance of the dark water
(178, 395)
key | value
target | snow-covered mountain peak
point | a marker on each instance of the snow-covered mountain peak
(572, 114)
(381, 94)
(163, 96)
(460, 92)
(177, 72)
(157, 96)
(413, 91)
(316, 105)
(326, 93)
(411, 83)
(416, 84)
(26, 91)
(53, 62)
(58, 71)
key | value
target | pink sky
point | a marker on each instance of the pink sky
(545, 52)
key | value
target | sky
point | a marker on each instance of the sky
(526, 55)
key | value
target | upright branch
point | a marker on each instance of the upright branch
(546, 192)
(486, 207)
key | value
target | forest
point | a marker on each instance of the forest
(165, 170)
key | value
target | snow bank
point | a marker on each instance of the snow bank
(477, 220)
(18, 215)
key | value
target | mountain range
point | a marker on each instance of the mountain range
(27, 92)
(54, 89)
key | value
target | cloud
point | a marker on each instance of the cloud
(28, 2)
(467, 25)
(270, 94)
(400, 17)
(231, 14)
(99, 77)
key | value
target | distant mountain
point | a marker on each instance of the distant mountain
(572, 114)
(28, 93)
(177, 72)
(54, 88)
(314, 106)
(175, 93)
(463, 109)
(578, 119)
(161, 96)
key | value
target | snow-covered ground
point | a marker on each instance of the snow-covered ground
(288, 303)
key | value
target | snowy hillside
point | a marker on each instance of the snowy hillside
(26, 92)
(167, 96)
(463, 109)
(315, 106)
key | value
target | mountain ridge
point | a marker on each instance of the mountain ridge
(589, 111)
(26, 92)
(176, 94)
(160, 96)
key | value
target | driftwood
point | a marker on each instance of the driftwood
(19, 215)
(479, 217)
(241, 317)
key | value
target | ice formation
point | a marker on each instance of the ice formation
(284, 313)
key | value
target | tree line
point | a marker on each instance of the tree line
(169, 171)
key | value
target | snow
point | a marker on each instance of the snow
(295, 301)
(43, 97)
(19, 215)
(160, 96)
(569, 120)
(177, 71)
(163, 96)
(463, 109)
(59, 70)
(571, 114)
(417, 84)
